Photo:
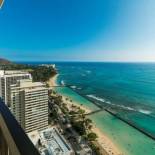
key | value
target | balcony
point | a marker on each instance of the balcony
(13, 140)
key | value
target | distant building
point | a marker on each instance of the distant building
(48, 65)
(50, 142)
(29, 104)
(7, 78)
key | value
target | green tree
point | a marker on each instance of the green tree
(92, 136)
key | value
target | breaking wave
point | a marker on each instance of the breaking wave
(96, 98)
(147, 112)
(62, 83)
(73, 87)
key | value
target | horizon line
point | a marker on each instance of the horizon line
(84, 61)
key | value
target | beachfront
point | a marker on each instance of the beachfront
(103, 141)
(53, 81)
(128, 140)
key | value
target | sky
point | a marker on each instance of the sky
(78, 30)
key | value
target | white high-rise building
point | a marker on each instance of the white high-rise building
(29, 104)
(7, 78)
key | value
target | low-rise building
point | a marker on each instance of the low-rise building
(50, 142)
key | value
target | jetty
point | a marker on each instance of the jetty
(102, 108)
(93, 112)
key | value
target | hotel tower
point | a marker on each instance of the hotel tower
(10, 77)
(29, 104)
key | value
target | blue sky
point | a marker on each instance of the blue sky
(79, 30)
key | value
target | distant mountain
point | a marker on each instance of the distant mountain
(5, 62)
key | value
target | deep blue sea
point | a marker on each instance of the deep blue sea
(126, 88)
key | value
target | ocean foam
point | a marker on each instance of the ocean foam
(73, 87)
(120, 106)
(96, 98)
(126, 107)
(62, 83)
(108, 102)
(147, 112)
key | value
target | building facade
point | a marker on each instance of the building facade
(8, 78)
(29, 104)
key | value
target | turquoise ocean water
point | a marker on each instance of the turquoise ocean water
(128, 89)
(129, 140)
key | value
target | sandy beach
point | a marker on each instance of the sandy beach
(104, 142)
(52, 81)
(69, 103)
(102, 139)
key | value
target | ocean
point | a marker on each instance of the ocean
(127, 89)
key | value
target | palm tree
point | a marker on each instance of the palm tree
(88, 123)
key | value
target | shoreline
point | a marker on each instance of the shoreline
(103, 140)
(52, 82)
(74, 103)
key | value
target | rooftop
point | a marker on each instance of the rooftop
(28, 84)
(12, 72)
(50, 142)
